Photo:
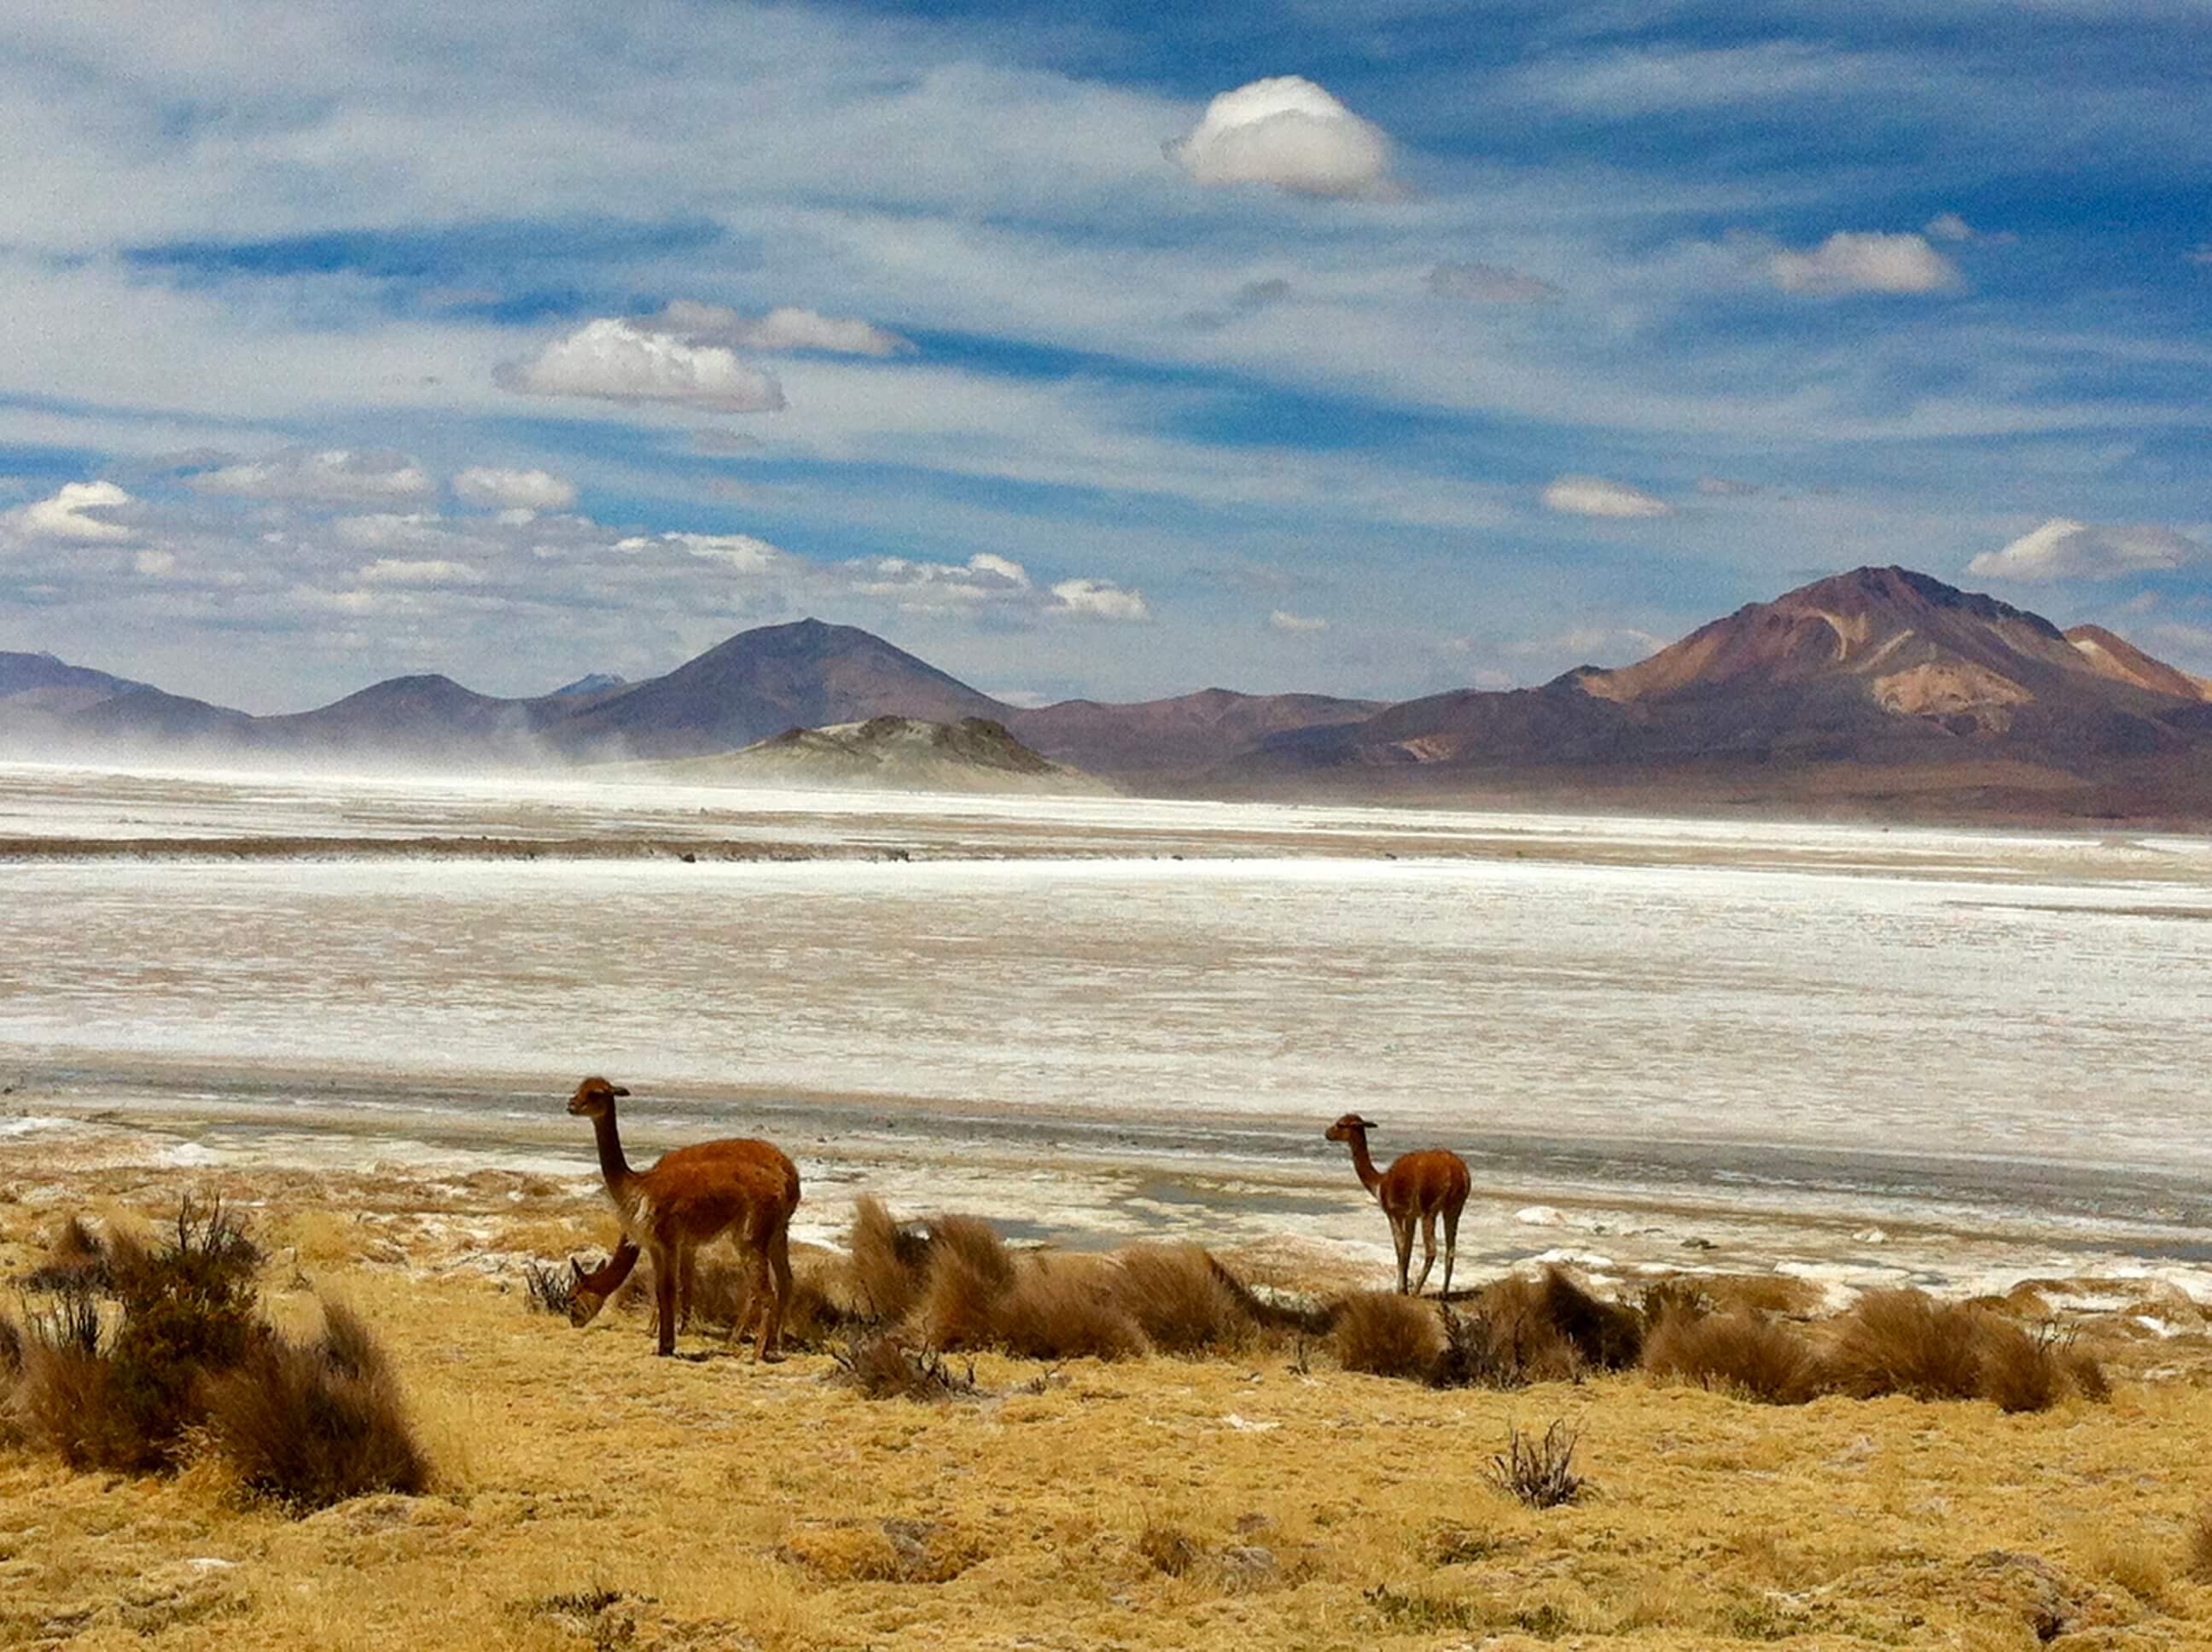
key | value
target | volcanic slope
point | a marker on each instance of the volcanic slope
(895, 753)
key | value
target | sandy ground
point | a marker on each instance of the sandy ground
(593, 1496)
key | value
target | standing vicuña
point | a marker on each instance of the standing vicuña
(1421, 1185)
(747, 1189)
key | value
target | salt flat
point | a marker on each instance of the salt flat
(1117, 1014)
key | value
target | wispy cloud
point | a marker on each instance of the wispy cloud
(2065, 549)
(1297, 624)
(340, 475)
(531, 491)
(1595, 495)
(1488, 283)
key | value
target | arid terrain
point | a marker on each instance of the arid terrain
(587, 1495)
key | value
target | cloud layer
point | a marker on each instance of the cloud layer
(2065, 549)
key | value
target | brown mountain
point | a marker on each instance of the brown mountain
(423, 716)
(1880, 684)
(762, 681)
(1191, 733)
(2116, 656)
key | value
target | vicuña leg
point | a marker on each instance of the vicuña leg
(772, 1289)
(1402, 1234)
(1428, 1249)
(666, 1269)
(1451, 1245)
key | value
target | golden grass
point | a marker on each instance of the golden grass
(591, 1494)
(1735, 1352)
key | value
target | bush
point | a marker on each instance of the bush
(311, 1424)
(969, 1272)
(2021, 1373)
(1905, 1342)
(76, 1261)
(1182, 1300)
(11, 1346)
(889, 1260)
(1066, 1308)
(1540, 1473)
(1737, 1353)
(1385, 1334)
(549, 1290)
(1605, 1336)
(883, 1366)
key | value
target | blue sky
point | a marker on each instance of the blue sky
(1380, 346)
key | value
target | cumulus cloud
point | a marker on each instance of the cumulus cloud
(338, 476)
(1288, 132)
(525, 490)
(1594, 495)
(400, 571)
(1868, 261)
(2065, 549)
(784, 328)
(738, 550)
(921, 588)
(1284, 620)
(616, 361)
(1099, 599)
(1488, 283)
(66, 515)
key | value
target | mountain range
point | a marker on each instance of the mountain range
(1879, 690)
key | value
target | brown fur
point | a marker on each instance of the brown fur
(1417, 1188)
(747, 1189)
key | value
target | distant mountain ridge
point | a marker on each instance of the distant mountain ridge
(1880, 689)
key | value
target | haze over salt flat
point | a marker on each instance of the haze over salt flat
(1670, 1029)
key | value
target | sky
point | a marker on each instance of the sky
(1374, 347)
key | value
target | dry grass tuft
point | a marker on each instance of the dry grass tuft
(1068, 1307)
(1539, 1471)
(77, 1260)
(11, 1347)
(1605, 1336)
(2197, 1560)
(1735, 1352)
(310, 1424)
(2021, 1373)
(1170, 1549)
(1182, 1301)
(890, 1261)
(1905, 1342)
(1385, 1334)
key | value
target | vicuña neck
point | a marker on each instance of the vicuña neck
(612, 1165)
(1370, 1177)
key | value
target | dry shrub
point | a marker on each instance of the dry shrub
(1905, 1342)
(1539, 1471)
(11, 1346)
(77, 1260)
(65, 1405)
(1182, 1300)
(1385, 1334)
(969, 1272)
(882, 1366)
(2021, 1373)
(313, 1424)
(1735, 1352)
(549, 1290)
(723, 1297)
(1605, 1336)
(1514, 1332)
(2086, 1375)
(1068, 1307)
(890, 1261)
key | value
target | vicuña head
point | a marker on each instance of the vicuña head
(746, 1189)
(1418, 1187)
(595, 1098)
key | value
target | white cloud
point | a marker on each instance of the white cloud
(63, 515)
(2065, 549)
(1099, 599)
(1868, 261)
(616, 361)
(1487, 284)
(1289, 132)
(157, 563)
(941, 587)
(784, 328)
(527, 491)
(391, 531)
(1594, 495)
(1721, 487)
(1283, 620)
(328, 476)
(738, 550)
(1948, 227)
(396, 571)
